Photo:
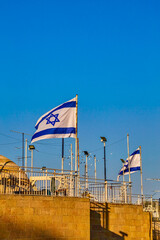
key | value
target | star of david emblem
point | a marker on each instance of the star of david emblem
(52, 119)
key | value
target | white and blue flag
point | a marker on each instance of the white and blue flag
(60, 122)
(135, 164)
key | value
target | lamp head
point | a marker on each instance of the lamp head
(31, 147)
(43, 168)
(103, 139)
(122, 160)
(86, 153)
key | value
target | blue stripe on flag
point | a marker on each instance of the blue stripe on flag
(71, 104)
(132, 169)
(136, 152)
(54, 131)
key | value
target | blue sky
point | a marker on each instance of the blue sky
(108, 53)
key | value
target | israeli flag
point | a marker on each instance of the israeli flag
(135, 164)
(60, 122)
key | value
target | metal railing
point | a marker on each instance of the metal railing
(54, 182)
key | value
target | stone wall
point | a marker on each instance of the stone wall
(57, 218)
(119, 222)
(34, 217)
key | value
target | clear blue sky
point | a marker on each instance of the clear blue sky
(107, 52)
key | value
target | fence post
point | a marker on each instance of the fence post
(46, 182)
(151, 203)
(76, 176)
(19, 180)
(125, 193)
(157, 209)
(106, 193)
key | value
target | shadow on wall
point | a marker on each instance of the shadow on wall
(99, 224)
(156, 229)
(16, 229)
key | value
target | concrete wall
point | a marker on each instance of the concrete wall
(34, 217)
(119, 222)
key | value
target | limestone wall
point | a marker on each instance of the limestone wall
(57, 218)
(119, 222)
(34, 217)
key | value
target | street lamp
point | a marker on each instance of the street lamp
(31, 148)
(86, 154)
(104, 140)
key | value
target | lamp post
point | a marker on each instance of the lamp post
(95, 169)
(31, 148)
(104, 140)
(124, 185)
(123, 162)
(86, 154)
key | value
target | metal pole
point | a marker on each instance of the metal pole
(62, 153)
(141, 173)
(26, 155)
(78, 156)
(31, 162)
(128, 157)
(78, 180)
(19, 180)
(106, 192)
(76, 145)
(23, 150)
(104, 161)
(86, 172)
(76, 134)
(71, 159)
(95, 167)
(129, 168)
(46, 182)
(123, 173)
(71, 178)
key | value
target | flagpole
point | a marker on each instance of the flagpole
(128, 157)
(71, 179)
(141, 173)
(78, 185)
(76, 144)
(76, 140)
(129, 168)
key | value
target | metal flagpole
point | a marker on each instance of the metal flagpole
(76, 144)
(128, 157)
(141, 173)
(76, 133)
(129, 166)
(78, 167)
(71, 178)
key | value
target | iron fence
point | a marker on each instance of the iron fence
(55, 182)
